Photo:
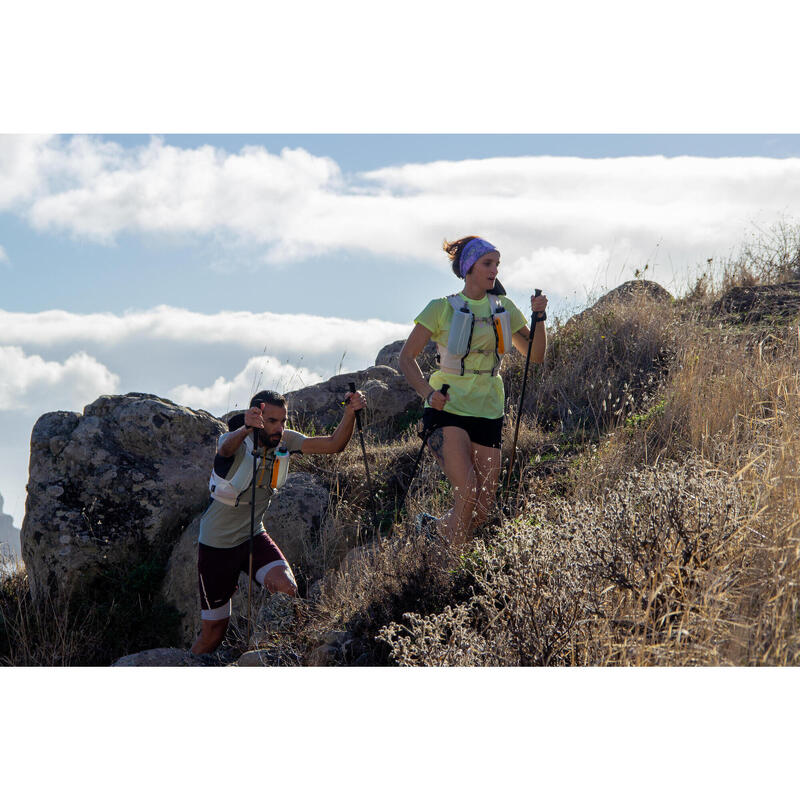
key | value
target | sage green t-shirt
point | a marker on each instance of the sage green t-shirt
(226, 526)
(471, 395)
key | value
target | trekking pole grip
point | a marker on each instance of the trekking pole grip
(358, 413)
(539, 315)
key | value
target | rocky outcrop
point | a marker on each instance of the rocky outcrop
(112, 486)
(298, 517)
(179, 587)
(296, 520)
(631, 290)
(388, 396)
(627, 292)
(749, 304)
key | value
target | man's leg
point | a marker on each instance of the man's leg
(217, 571)
(271, 569)
(277, 577)
(211, 635)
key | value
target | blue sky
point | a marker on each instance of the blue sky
(195, 266)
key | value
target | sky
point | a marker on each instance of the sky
(199, 267)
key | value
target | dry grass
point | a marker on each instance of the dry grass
(42, 633)
(600, 366)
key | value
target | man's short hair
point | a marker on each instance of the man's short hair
(269, 397)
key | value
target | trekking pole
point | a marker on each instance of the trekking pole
(537, 316)
(252, 531)
(366, 463)
(425, 435)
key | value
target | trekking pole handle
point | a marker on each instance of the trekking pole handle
(445, 388)
(539, 315)
(358, 413)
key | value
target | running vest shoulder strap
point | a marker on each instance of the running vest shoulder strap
(229, 490)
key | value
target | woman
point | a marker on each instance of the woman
(468, 420)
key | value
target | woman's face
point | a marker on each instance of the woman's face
(484, 271)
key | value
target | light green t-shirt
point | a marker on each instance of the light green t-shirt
(226, 526)
(471, 395)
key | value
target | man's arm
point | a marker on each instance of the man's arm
(338, 440)
(230, 441)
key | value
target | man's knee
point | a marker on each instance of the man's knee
(278, 578)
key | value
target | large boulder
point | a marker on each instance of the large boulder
(112, 486)
(297, 519)
(628, 292)
(389, 356)
(179, 587)
(632, 290)
(389, 399)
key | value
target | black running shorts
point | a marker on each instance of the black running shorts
(482, 431)
(218, 570)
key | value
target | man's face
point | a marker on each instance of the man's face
(274, 423)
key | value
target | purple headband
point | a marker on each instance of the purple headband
(473, 250)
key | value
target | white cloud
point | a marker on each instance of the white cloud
(558, 270)
(3, 255)
(263, 372)
(316, 339)
(31, 382)
(23, 166)
(294, 204)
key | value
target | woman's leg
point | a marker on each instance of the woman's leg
(487, 461)
(453, 450)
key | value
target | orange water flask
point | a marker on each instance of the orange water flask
(502, 326)
(280, 468)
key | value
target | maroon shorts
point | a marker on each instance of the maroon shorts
(218, 571)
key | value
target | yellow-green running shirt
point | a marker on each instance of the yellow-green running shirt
(470, 395)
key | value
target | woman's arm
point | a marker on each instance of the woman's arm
(414, 345)
(522, 337)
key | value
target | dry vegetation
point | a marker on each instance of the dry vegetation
(653, 517)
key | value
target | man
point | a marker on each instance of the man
(225, 527)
